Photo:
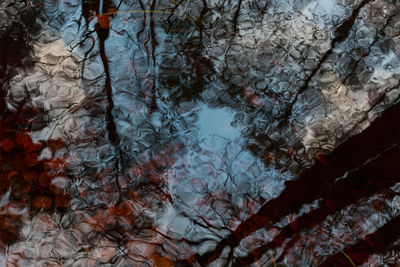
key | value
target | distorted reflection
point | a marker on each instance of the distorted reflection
(199, 133)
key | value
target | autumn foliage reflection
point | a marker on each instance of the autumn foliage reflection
(32, 174)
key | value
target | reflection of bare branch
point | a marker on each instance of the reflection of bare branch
(207, 224)
(342, 33)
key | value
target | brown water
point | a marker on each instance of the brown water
(199, 133)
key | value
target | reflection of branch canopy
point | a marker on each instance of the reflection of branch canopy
(178, 148)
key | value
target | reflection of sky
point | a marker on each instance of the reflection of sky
(216, 161)
(216, 122)
(323, 10)
(223, 162)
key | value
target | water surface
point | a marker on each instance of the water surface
(199, 133)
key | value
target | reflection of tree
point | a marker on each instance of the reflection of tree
(264, 144)
(123, 179)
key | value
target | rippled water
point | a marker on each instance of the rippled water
(196, 133)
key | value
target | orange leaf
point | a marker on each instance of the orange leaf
(42, 202)
(162, 261)
(103, 21)
(290, 151)
(11, 174)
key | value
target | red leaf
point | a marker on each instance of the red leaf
(31, 159)
(3, 127)
(7, 144)
(17, 162)
(27, 188)
(322, 157)
(44, 180)
(191, 259)
(24, 140)
(55, 144)
(270, 157)
(62, 200)
(31, 176)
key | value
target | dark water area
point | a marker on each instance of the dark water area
(199, 133)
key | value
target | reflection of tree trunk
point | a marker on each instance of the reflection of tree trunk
(102, 29)
(235, 17)
(371, 178)
(374, 243)
(317, 182)
(103, 34)
(111, 128)
(154, 43)
(143, 22)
